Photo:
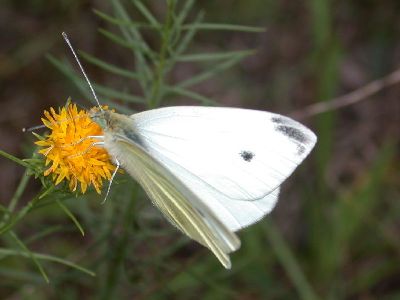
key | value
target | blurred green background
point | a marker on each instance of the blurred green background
(335, 231)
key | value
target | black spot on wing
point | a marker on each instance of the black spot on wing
(293, 133)
(247, 155)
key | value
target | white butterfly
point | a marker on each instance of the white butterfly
(210, 170)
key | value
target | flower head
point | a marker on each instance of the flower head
(70, 152)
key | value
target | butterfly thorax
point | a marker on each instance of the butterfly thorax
(110, 121)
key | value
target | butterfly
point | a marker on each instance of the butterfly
(211, 171)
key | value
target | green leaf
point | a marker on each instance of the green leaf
(146, 13)
(116, 21)
(132, 35)
(11, 252)
(178, 20)
(228, 27)
(108, 67)
(184, 12)
(111, 93)
(289, 263)
(82, 86)
(30, 255)
(42, 234)
(188, 37)
(210, 72)
(193, 95)
(17, 217)
(134, 45)
(13, 158)
(19, 191)
(71, 216)
(213, 56)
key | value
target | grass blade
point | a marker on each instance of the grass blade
(30, 255)
(71, 216)
(11, 252)
(289, 263)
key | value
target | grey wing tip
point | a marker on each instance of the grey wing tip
(295, 131)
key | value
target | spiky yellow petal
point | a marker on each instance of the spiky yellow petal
(69, 154)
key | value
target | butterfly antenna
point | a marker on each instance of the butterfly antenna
(80, 66)
(32, 128)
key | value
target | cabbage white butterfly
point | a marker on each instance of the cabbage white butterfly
(210, 170)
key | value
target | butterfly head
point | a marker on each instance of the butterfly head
(101, 117)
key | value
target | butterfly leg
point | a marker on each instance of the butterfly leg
(111, 180)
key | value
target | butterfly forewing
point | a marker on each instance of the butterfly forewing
(243, 154)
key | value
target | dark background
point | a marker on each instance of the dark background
(338, 216)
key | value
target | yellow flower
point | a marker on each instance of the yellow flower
(70, 153)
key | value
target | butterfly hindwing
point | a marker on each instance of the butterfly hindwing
(178, 204)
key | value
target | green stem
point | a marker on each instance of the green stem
(15, 198)
(156, 94)
(19, 191)
(289, 263)
(6, 227)
(119, 253)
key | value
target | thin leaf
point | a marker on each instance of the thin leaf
(19, 191)
(178, 21)
(82, 86)
(210, 72)
(111, 93)
(25, 277)
(39, 137)
(30, 255)
(228, 27)
(193, 95)
(116, 21)
(71, 216)
(289, 263)
(11, 252)
(108, 67)
(13, 158)
(132, 35)
(47, 191)
(184, 12)
(21, 213)
(188, 37)
(213, 56)
(44, 233)
(134, 45)
(146, 13)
